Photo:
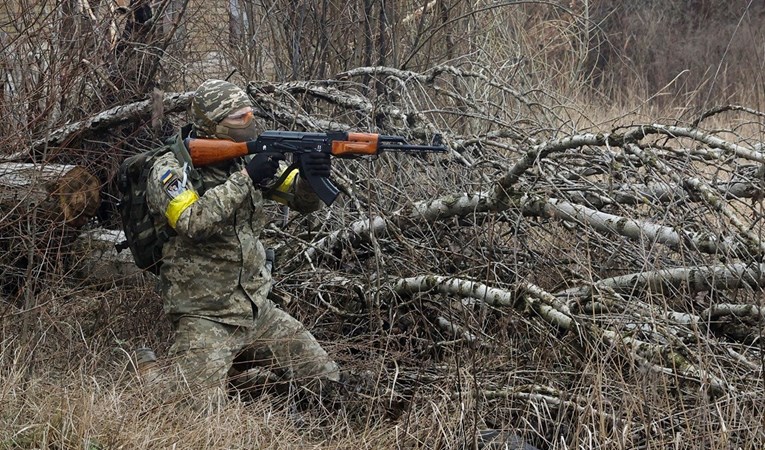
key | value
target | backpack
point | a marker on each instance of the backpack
(146, 234)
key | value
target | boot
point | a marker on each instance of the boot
(146, 365)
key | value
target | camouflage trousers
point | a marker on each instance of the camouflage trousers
(206, 353)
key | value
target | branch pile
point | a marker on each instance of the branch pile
(631, 255)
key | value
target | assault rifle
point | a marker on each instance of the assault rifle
(340, 144)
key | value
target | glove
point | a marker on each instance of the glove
(263, 166)
(315, 164)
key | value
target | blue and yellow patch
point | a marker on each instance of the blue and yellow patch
(167, 176)
(172, 184)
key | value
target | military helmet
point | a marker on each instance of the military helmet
(212, 102)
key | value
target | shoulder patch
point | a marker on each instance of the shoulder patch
(166, 176)
(172, 184)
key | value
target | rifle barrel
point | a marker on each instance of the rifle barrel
(413, 148)
(398, 143)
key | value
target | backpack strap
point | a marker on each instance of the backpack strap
(183, 156)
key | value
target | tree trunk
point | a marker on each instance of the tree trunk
(61, 193)
(41, 207)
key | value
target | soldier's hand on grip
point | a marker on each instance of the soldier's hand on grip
(262, 167)
(316, 164)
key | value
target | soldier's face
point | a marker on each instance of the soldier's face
(239, 126)
(240, 118)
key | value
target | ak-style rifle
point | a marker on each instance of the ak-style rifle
(339, 144)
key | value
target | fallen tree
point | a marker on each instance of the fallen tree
(62, 193)
(41, 207)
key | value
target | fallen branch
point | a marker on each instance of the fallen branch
(670, 281)
(753, 242)
(636, 194)
(138, 111)
(556, 313)
(697, 135)
(637, 230)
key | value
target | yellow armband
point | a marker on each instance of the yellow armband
(281, 192)
(179, 204)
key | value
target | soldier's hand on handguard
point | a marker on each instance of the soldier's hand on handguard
(262, 167)
(316, 164)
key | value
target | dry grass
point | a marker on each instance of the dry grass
(73, 387)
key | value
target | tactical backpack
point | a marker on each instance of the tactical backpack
(145, 234)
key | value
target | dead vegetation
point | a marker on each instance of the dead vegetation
(584, 275)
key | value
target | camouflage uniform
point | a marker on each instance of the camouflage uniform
(213, 281)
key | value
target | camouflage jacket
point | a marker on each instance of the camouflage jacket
(214, 267)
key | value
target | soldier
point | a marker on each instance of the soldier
(213, 279)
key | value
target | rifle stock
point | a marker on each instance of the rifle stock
(205, 152)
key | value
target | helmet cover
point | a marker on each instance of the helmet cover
(212, 102)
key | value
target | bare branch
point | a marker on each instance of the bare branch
(690, 279)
